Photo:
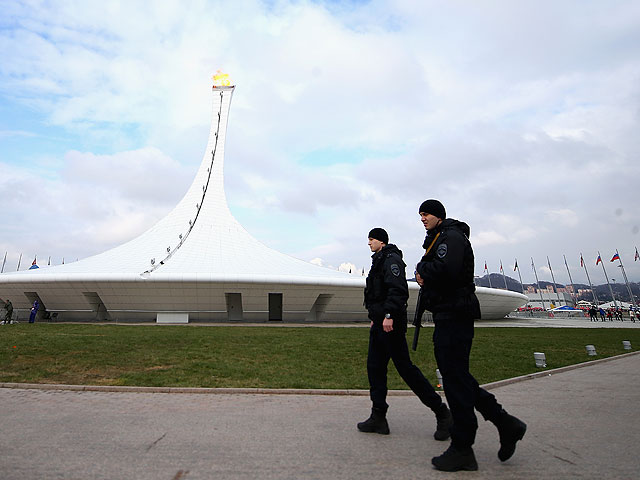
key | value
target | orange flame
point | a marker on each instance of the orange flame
(221, 79)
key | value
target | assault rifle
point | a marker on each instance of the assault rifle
(417, 321)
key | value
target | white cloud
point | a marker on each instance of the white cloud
(544, 272)
(486, 238)
(530, 138)
(95, 202)
(317, 261)
(348, 267)
(562, 218)
(15, 133)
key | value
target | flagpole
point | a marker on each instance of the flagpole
(3, 262)
(538, 282)
(593, 292)
(519, 276)
(605, 276)
(503, 277)
(488, 274)
(624, 274)
(573, 288)
(555, 287)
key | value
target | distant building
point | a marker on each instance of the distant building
(551, 299)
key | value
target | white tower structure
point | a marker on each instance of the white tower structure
(199, 264)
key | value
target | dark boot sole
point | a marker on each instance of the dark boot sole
(472, 467)
(466, 468)
(381, 432)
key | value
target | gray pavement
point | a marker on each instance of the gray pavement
(558, 321)
(582, 423)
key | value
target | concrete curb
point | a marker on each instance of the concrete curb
(554, 371)
(219, 391)
(287, 391)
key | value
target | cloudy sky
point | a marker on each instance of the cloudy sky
(522, 117)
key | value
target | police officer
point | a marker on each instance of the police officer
(385, 297)
(445, 274)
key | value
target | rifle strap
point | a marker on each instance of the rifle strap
(432, 243)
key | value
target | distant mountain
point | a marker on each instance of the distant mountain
(497, 281)
(602, 291)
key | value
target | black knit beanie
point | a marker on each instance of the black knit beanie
(434, 207)
(379, 234)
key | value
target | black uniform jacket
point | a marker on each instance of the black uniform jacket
(387, 290)
(447, 271)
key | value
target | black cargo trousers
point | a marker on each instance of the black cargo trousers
(385, 346)
(452, 340)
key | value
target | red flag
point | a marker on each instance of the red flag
(485, 266)
(581, 261)
(615, 257)
(34, 260)
(598, 260)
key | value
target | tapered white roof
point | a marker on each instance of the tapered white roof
(199, 236)
(200, 241)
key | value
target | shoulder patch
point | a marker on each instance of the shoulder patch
(442, 250)
(395, 269)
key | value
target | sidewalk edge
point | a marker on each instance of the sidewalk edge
(287, 391)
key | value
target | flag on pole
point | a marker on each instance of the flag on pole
(598, 260)
(637, 256)
(615, 257)
(34, 265)
(501, 271)
(516, 266)
(581, 261)
(485, 266)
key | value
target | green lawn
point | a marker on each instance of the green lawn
(266, 357)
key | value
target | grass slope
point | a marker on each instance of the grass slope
(266, 357)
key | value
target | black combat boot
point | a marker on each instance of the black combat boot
(455, 459)
(444, 419)
(376, 423)
(510, 429)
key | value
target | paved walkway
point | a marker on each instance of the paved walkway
(583, 423)
(558, 321)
